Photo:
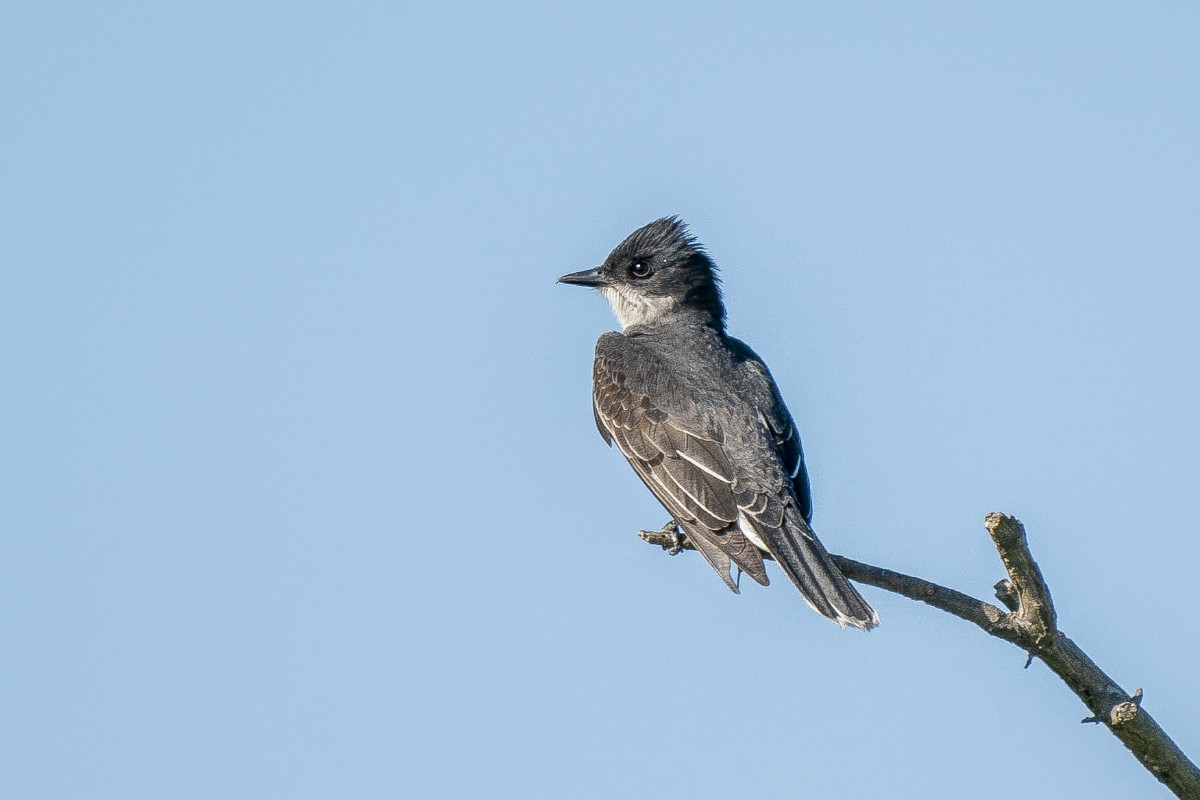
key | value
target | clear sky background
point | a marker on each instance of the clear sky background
(300, 494)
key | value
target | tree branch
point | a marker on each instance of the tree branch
(1031, 624)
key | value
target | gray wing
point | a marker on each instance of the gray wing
(791, 453)
(778, 420)
(679, 454)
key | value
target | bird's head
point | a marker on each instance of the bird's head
(659, 271)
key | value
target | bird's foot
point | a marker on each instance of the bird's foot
(668, 537)
(674, 538)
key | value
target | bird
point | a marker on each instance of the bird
(702, 422)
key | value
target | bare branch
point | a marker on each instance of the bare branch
(1035, 609)
(1031, 624)
(963, 606)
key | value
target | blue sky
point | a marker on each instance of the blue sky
(301, 495)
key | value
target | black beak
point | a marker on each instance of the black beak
(589, 277)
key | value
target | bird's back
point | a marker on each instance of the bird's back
(698, 416)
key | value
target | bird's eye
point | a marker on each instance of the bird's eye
(639, 269)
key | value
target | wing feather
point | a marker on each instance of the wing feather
(683, 462)
(711, 507)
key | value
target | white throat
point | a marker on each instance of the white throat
(636, 309)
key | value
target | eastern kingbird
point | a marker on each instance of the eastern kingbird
(700, 419)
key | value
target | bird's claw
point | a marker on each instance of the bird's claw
(676, 538)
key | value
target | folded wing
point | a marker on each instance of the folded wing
(684, 463)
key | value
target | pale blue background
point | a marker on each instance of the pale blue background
(300, 491)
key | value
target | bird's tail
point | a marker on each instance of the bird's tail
(807, 563)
